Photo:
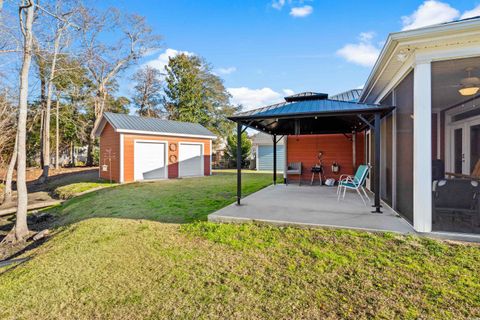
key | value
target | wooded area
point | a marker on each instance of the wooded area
(63, 64)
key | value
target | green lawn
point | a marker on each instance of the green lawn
(145, 255)
(71, 190)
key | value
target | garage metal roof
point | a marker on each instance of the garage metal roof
(130, 123)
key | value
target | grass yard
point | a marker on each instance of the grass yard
(69, 191)
(143, 251)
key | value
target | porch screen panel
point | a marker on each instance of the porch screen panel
(404, 147)
(386, 186)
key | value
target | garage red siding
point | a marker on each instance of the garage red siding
(129, 141)
(110, 153)
(335, 148)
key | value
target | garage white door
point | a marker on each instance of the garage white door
(149, 160)
(191, 160)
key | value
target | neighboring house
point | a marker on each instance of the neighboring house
(134, 148)
(262, 145)
(218, 154)
(417, 122)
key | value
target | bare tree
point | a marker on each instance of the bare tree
(148, 92)
(63, 16)
(57, 132)
(105, 60)
(7, 195)
(26, 12)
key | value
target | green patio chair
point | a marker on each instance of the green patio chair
(355, 182)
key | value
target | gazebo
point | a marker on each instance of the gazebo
(313, 113)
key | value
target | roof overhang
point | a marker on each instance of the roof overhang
(402, 45)
(345, 121)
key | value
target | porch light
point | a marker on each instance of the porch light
(468, 90)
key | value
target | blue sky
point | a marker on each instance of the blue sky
(264, 49)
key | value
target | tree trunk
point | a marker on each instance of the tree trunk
(99, 108)
(7, 196)
(21, 227)
(57, 135)
(48, 108)
(42, 133)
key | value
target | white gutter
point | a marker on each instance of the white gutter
(165, 134)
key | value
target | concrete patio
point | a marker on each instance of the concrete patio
(310, 206)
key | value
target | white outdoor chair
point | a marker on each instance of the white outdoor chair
(355, 182)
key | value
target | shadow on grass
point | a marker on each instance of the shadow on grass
(176, 201)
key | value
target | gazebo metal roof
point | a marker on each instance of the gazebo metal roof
(313, 113)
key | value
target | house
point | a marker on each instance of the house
(262, 148)
(134, 148)
(416, 122)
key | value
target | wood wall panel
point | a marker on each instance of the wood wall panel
(335, 148)
(110, 148)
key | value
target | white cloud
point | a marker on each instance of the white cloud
(228, 70)
(363, 53)
(301, 12)
(288, 92)
(429, 13)
(255, 98)
(162, 60)
(471, 13)
(278, 4)
(366, 36)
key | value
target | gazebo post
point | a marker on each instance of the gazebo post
(239, 162)
(376, 167)
(274, 159)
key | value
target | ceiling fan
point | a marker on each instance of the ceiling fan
(469, 85)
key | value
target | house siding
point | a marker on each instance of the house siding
(335, 147)
(265, 157)
(110, 153)
(129, 142)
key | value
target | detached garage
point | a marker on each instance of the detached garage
(135, 148)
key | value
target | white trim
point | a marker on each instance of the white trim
(439, 133)
(150, 141)
(203, 154)
(454, 53)
(404, 71)
(422, 146)
(101, 125)
(211, 152)
(465, 125)
(450, 126)
(169, 134)
(122, 161)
